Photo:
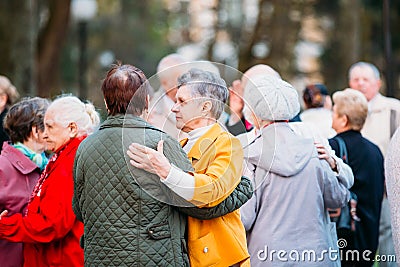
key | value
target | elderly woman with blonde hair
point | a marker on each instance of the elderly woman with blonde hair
(49, 229)
(350, 111)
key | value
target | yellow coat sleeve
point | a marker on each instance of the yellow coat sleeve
(218, 170)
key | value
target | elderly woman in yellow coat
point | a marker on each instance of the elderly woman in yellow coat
(217, 158)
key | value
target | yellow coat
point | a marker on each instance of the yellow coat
(217, 158)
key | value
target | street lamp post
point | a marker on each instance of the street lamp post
(82, 12)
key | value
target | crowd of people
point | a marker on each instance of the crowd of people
(201, 173)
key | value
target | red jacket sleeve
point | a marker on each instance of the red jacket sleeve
(50, 216)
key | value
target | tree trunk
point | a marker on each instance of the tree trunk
(278, 30)
(50, 43)
(17, 33)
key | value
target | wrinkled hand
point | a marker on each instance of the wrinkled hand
(323, 153)
(236, 103)
(3, 214)
(150, 160)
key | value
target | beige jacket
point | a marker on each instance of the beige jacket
(382, 121)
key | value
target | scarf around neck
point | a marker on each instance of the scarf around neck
(39, 159)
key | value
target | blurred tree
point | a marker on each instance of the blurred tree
(240, 33)
(345, 39)
(133, 32)
(359, 35)
(350, 31)
(50, 43)
(17, 43)
(277, 28)
(32, 34)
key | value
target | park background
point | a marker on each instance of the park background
(49, 47)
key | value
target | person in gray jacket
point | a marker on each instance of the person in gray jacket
(286, 220)
(131, 218)
(392, 174)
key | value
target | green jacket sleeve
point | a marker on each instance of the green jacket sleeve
(78, 187)
(234, 201)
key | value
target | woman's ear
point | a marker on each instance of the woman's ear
(35, 132)
(73, 128)
(207, 105)
(345, 121)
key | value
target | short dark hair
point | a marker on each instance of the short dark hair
(314, 95)
(125, 84)
(23, 115)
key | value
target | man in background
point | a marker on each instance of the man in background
(169, 69)
(382, 121)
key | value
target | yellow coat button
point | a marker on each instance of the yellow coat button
(205, 249)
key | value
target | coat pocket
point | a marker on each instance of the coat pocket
(159, 231)
(204, 251)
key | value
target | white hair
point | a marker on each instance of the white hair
(366, 65)
(167, 62)
(69, 109)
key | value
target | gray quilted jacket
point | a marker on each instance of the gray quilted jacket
(125, 218)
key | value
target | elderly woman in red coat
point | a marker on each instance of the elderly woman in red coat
(49, 229)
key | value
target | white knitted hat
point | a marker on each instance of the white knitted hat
(271, 98)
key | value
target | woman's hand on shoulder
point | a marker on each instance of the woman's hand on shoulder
(323, 153)
(150, 160)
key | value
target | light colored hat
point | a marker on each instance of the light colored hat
(271, 98)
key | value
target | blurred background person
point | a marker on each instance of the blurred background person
(8, 96)
(292, 190)
(169, 69)
(366, 160)
(318, 109)
(237, 123)
(21, 162)
(49, 229)
(382, 121)
(383, 112)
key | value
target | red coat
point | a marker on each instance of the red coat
(50, 231)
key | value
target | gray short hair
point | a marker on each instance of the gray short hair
(70, 109)
(363, 64)
(207, 85)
